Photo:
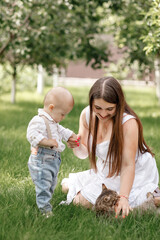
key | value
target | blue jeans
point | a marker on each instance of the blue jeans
(44, 169)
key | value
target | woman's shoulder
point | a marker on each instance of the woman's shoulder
(130, 124)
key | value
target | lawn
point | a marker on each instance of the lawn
(19, 216)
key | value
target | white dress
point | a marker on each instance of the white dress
(89, 183)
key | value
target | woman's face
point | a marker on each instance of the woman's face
(104, 110)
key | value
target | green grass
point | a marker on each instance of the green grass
(19, 216)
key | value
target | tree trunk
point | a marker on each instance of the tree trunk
(147, 78)
(55, 76)
(13, 88)
(40, 80)
(62, 76)
(157, 76)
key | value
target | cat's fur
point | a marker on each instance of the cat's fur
(108, 199)
(106, 202)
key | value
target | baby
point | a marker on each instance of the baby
(45, 136)
(108, 200)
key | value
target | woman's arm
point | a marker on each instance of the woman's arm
(82, 151)
(130, 133)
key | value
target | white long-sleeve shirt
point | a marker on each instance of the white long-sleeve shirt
(37, 130)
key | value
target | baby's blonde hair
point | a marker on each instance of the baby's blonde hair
(58, 96)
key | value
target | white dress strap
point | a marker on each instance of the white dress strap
(127, 117)
(87, 115)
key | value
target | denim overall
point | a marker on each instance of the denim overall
(44, 166)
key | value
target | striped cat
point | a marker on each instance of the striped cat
(108, 199)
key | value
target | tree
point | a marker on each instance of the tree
(138, 30)
(152, 39)
(14, 21)
(129, 28)
(50, 33)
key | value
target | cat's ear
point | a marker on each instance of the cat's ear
(103, 186)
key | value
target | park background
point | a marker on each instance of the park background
(72, 43)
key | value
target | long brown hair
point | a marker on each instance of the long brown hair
(109, 89)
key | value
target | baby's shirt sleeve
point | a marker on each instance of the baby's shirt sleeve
(65, 133)
(36, 131)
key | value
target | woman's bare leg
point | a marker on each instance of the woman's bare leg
(65, 188)
(80, 200)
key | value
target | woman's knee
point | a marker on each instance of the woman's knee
(80, 200)
(65, 188)
(76, 200)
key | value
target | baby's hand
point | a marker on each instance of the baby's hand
(48, 142)
(52, 143)
(73, 141)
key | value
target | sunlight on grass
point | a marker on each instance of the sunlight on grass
(14, 182)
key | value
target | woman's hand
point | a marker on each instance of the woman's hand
(123, 205)
(73, 141)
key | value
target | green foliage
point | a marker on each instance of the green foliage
(131, 26)
(152, 38)
(50, 32)
(26, 78)
(14, 20)
(20, 218)
(5, 80)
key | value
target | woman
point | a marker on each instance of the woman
(111, 131)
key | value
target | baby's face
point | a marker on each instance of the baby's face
(59, 113)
